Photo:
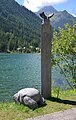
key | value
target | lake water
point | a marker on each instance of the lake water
(19, 71)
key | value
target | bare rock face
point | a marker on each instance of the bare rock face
(29, 96)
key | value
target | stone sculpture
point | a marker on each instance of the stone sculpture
(30, 97)
(46, 17)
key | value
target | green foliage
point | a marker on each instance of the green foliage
(19, 27)
(56, 91)
(64, 52)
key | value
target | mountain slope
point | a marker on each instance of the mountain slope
(20, 23)
(20, 28)
(47, 10)
(60, 17)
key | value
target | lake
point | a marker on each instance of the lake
(19, 71)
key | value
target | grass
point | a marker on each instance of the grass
(12, 111)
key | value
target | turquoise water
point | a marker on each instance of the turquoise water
(19, 71)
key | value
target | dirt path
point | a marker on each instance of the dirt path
(62, 115)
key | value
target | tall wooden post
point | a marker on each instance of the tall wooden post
(46, 40)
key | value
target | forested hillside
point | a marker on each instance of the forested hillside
(19, 27)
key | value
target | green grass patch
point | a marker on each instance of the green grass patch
(13, 111)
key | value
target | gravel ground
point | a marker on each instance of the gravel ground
(62, 115)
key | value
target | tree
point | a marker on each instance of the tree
(64, 52)
(12, 43)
